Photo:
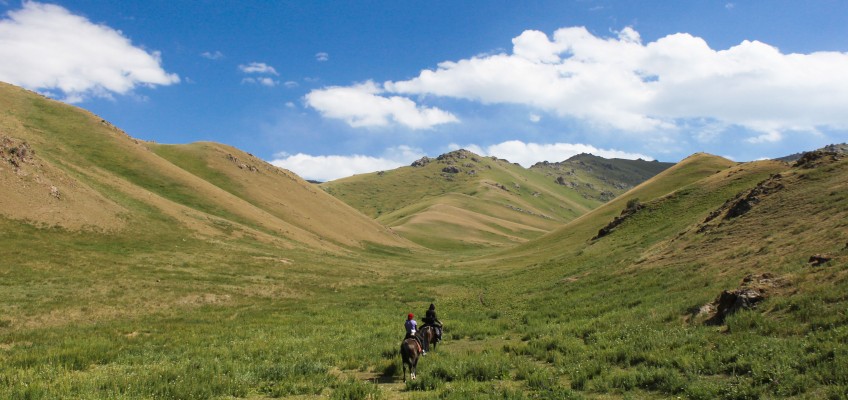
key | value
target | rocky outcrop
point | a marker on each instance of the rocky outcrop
(819, 259)
(743, 202)
(813, 159)
(754, 289)
(841, 148)
(16, 153)
(633, 206)
(421, 162)
(235, 160)
(456, 155)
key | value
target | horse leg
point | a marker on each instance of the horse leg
(414, 367)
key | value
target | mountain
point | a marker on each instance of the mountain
(600, 178)
(461, 200)
(841, 148)
(64, 167)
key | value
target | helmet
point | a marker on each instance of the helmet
(432, 306)
(409, 316)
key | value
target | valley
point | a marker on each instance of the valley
(134, 270)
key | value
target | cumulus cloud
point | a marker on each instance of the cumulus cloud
(258, 68)
(528, 154)
(330, 167)
(363, 106)
(322, 56)
(623, 83)
(47, 48)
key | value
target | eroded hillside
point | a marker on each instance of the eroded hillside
(65, 167)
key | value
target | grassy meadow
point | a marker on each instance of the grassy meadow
(90, 315)
(212, 280)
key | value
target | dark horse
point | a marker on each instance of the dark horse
(428, 333)
(410, 350)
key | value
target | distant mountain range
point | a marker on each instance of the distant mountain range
(461, 200)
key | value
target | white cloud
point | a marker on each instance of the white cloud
(535, 118)
(327, 168)
(528, 154)
(262, 80)
(291, 84)
(363, 106)
(258, 68)
(621, 83)
(212, 55)
(766, 137)
(47, 48)
(322, 56)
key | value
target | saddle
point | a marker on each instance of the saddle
(417, 342)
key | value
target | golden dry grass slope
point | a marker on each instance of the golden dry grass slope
(65, 167)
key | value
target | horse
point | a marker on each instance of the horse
(428, 333)
(410, 350)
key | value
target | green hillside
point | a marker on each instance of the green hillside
(634, 311)
(462, 201)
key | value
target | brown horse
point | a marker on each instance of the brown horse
(410, 350)
(428, 333)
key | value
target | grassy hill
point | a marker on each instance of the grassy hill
(135, 270)
(629, 312)
(70, 169)
(461, 200)
(600, 178)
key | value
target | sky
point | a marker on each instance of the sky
(330, 89)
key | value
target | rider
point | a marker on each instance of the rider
(411, 327)
(431, 319)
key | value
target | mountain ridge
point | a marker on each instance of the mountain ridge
(463, 200)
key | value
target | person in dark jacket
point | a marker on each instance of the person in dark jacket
(431, 319)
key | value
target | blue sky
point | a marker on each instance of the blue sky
(330, 89)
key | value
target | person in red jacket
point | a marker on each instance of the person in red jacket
(411, 327)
